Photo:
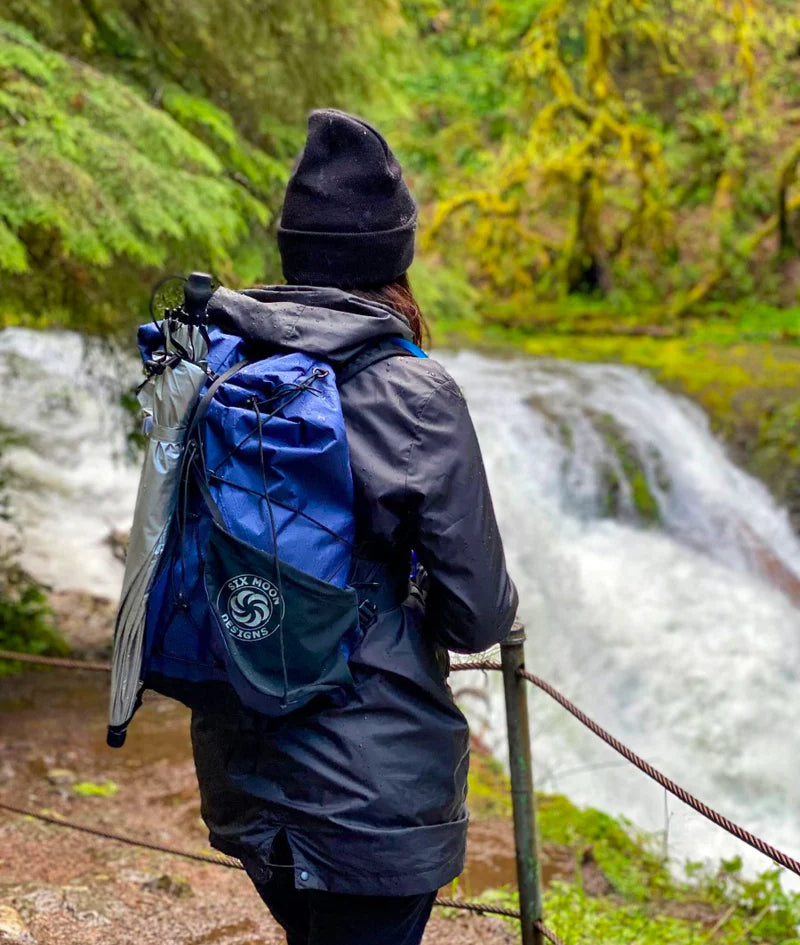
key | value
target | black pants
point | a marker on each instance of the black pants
(315, 917)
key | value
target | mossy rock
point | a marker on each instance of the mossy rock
(745, 377)
(489, 789)
(643, 505)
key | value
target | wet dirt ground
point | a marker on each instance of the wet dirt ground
(60, 887)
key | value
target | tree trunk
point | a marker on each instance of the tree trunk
(592, 268)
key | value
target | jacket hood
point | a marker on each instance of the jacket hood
(324, 322)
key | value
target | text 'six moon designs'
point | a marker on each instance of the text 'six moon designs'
(251, 607)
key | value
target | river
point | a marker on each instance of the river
(659, 583)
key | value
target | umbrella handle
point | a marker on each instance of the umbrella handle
(197, 291)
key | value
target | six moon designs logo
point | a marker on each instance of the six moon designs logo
(250, 607)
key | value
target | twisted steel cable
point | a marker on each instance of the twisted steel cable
(481, 908)
(778, 856)
(549, 934)
(54, 661)
(783, 859)
(681, 793)
(218, 859)
(478, 907)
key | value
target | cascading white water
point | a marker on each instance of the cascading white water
(674, 634)
(673, 637)
(73, 487)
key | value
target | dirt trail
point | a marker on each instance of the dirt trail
(58, 887)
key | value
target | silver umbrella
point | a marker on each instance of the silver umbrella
(167, 399)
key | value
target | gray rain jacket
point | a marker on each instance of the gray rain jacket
(371, 794)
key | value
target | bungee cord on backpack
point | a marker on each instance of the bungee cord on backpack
(242, 453)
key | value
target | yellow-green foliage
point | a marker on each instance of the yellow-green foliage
(254, 168)
(489, 790)
(93, 789)
(626, 859)
(642, 150)
(265, 64)
(26, 621)
(649, 158)
(136, 139)
(647, 903)
(736, 383)
(586, 920)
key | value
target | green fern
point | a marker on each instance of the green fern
(93, 177)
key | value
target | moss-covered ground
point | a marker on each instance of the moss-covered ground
(608, 884)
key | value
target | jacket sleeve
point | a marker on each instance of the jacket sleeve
(471, 601)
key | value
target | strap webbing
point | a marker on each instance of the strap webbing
(371, 354)
(191, 457)
(202, 484)
(202, 407)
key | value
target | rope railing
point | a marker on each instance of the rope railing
(783, 859)
(488, 908)
(767, 849)
(57, 661)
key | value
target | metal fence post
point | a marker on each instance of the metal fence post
(519, 757)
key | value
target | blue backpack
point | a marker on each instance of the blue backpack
(252, 588)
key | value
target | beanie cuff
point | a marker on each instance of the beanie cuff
(346, 259)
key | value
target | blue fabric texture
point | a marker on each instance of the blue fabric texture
(300, 460)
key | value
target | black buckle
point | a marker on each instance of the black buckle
(160, 362)
(367, 614)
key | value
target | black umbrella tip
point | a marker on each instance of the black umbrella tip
(197, 291)
(116, 735)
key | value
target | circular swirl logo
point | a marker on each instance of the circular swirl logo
(251, 607)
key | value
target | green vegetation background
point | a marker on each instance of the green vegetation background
(609, 884)
(598, 179)
(603, 179)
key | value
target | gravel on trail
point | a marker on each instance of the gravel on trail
(60, 887)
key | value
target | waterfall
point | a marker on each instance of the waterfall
(669, 619)
(71, 484)
(659, 583)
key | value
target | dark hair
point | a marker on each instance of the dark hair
(398, 296)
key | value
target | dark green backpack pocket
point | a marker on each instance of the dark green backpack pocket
(287, 636)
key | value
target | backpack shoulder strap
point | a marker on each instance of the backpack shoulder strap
(373, 353)
(201, 408)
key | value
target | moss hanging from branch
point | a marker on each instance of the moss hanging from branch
(92, 177)
(641, 114)
(569, 187)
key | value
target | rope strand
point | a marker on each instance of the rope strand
(54, 661)
(767, 849)
(219, 859)
(667, 783)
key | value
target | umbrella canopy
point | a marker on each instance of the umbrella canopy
(167, 399)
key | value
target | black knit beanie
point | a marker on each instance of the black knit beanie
(348, 218)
